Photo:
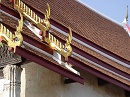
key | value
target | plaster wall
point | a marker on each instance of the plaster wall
(38, 81)
(1, 87)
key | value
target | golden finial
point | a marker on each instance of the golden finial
(47, 17)
(68, 41)
(127, 13)
(68, 47)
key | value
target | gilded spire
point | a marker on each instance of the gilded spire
(127, 13)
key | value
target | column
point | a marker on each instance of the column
(12, 81)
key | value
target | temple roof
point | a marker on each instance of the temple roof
(88, 24)
(98, 42)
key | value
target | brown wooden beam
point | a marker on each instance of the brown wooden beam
(90, 70)
(97, 73)
(65, 29)
(44, 62)
(15, 14)
(75, 49)
(32, 41)
(94, 59)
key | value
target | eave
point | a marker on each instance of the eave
(75, 62)
(85, 67)
(79, 37)
(99, 49)
(43, 62)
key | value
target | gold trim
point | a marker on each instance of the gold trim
(32, 16)
(12, 40)
(44, 26)
(64, 50)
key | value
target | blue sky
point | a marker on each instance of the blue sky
(114, 9)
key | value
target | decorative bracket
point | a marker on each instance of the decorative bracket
(15, 39)
(44, 26)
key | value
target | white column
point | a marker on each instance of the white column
(12, 81)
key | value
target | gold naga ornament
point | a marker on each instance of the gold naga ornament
(44, 26)
(11, 39)
(64, 50)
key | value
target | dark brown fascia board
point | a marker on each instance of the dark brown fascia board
(75, 49)
(43, 62)
(65, 29)
(88, 69)
(26, 54)
(105, 77)
(99, 74)
(94, 59)
(32, 41)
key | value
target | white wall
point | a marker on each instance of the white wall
(1, 87)
(41, 82)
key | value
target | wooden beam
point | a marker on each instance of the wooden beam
(32, 41)
(87, 68)
(75, 49)
(65, 29)
(44, 62)
(97, 73)
(83, 66)
(46, 48)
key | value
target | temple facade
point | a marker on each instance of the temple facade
(61, 48)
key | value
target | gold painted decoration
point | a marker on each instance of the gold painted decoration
(68, 47)
(47, 17)
(64, 50)
(44, 26)
(11, 39)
